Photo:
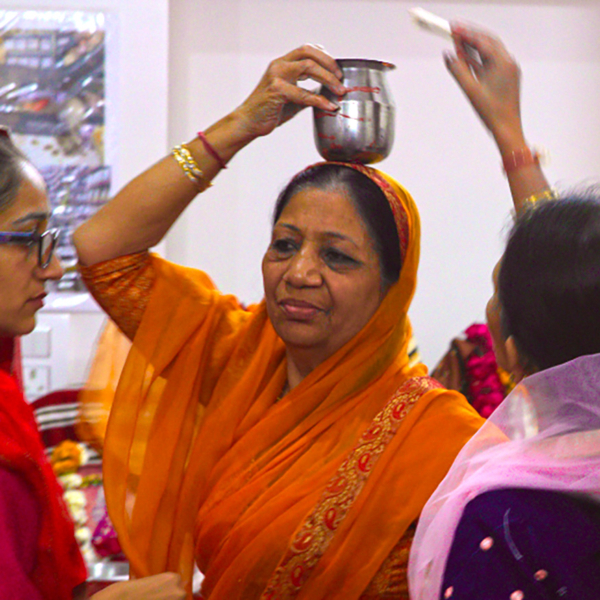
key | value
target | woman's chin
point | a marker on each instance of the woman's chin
(17, 328)
(300, 335)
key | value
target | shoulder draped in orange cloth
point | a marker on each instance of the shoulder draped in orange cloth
(202, 462)
(59, 564)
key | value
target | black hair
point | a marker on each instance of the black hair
(11, 170)
(549, 280)
(369, 200)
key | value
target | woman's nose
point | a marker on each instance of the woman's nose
(53, 271)
(304, 269)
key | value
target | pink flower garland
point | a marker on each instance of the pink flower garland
(486, 390)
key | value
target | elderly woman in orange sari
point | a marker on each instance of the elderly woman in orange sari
(285, 449)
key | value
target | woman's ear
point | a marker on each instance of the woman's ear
(515, 365)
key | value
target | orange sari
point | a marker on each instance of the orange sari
(203, 463)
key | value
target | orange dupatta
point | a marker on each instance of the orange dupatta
(201, 461)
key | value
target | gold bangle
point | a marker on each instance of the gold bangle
(190, 167)
(548, 194)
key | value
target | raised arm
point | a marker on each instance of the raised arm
(492, 85)
(140, 215)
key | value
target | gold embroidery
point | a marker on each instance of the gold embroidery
(548, 194)
(315, 534)
(122, 288)
(391, 581)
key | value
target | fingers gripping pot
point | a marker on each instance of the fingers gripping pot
(363, 129)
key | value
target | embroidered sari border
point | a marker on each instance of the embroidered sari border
(314, 536)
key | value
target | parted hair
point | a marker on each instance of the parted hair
(11, 169)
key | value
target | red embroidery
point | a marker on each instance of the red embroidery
(330, 519)
(363, 88)
(313, 537)
(400, 216)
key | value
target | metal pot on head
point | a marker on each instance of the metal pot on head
(363, 129)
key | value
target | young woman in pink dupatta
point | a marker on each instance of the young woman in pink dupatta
(518, 515)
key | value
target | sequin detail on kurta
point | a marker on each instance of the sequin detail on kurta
(122, 288)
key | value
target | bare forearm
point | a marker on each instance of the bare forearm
(492, 85)
(139, 216)
(524, 181)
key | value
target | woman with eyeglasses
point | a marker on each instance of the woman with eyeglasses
(39, 556)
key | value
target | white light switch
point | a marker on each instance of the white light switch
(36, 380)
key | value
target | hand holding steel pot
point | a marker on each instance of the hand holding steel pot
(362, 130)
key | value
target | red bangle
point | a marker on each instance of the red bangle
(211, 150)
(525, 157)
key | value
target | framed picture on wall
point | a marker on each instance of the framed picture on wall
(52, 97)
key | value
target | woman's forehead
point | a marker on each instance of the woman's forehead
(30, 205)
(328, 211)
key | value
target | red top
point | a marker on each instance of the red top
(19, 531)
(39, 556)
(10, 359)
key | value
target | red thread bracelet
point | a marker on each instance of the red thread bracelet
(517, 159)
(211, 150)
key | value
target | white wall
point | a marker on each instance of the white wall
(218, 51)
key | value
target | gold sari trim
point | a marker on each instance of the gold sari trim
(122, 287)
(314, 536)
(391, 581)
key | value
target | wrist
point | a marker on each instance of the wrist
(509, 138)
(229, 135)
(211, 150)
(521, 158)
(242, 128)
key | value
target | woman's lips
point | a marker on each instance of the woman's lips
(38, 301)
(298, 310)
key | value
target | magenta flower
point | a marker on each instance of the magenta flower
(485, 387)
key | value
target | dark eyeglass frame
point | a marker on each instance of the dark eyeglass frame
(31, 238)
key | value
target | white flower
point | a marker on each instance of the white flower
(79, 516)
(89, 554)
(85, 454)
(76, 502)
(75, 499)
(83, 535)
(71, 481)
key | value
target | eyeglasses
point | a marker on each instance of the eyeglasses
(46, 242)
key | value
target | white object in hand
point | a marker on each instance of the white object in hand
(430, 22)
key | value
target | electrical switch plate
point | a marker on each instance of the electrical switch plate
(36, 380)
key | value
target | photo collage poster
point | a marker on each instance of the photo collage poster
(52, 98)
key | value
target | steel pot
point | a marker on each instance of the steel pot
(363, 129)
